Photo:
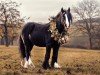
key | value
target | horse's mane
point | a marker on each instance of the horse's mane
(58, 15)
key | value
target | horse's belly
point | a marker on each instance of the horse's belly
(38, 38)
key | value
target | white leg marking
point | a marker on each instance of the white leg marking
(30, 63)
(26, 63)
(56, 65)
(22, 63)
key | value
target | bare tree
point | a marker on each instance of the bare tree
(10, 17)
(87, 11)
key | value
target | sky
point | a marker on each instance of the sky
(41, 10)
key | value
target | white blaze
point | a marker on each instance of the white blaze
(67, 23)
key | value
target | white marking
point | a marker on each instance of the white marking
(22, 39)
(31, 63)
(26, 63)
(63, 39)
(67, 23)
(22, 63)
(29, 36)
(56, 65)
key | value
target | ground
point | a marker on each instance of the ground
(73, 61)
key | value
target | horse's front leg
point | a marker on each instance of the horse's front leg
(54, 63)
(47, 56)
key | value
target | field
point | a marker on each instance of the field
(73, 61)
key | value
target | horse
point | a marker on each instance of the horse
(39, 35)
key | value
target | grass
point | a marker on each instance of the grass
(73, 61)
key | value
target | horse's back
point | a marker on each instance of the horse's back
(41, 27)
(33, 26)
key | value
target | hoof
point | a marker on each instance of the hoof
(55, 65)
(46, 65)
(32, 65)
(26, 64)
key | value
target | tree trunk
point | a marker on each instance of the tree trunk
(89, 34)
(90, 41)
(5, 28)
(11, 41)
(2, 41)
(6, 36)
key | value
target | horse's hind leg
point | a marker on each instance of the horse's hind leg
(29, 60)
(47, 56)
(28, 48)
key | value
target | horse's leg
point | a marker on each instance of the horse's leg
(30, 61)
(28, 48)
(55, 56)
(47, 56)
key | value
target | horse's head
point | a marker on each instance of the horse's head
(62, 20)
(64, 17)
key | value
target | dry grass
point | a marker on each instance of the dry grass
(73, 62)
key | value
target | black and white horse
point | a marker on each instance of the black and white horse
(38, 34)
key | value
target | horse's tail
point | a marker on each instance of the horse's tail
(21, 47)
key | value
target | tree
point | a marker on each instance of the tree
(87, 11)
(9, 17)
(96, 35)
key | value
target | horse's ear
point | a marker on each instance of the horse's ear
(62, 10)
(69, 9)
